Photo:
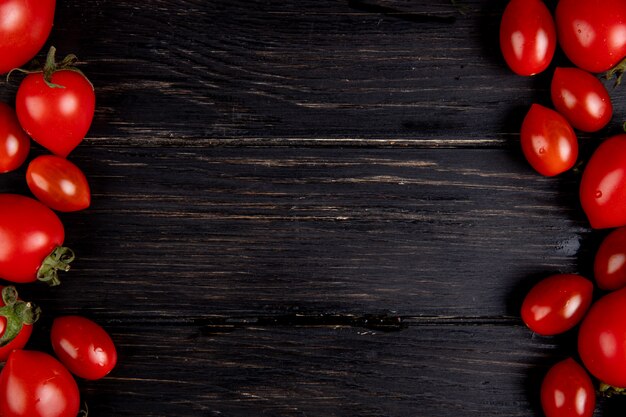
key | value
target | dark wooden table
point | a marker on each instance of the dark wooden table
(311, 208)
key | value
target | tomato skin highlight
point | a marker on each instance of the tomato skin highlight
(567, 391)
(609, 266)
(557, 303)
(30, 25)
(548, 141)
(14, 142)
(581, 98)
(35, 384)
(83, 346)
(56, 118)
(58, 183)
(527, 36)
(603, 184)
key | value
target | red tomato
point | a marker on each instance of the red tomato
(548, 141)
(581, 98)
(31, 236)
(609, 265)
(85, 348)
(35, 384)
(557, 303)
(14, 142)
(58, 183)
(24, 28)
(57, 118)
(527, 36)
(603, 184)
(16, 321)
(592, 33)
(602, 339)
(567, 391)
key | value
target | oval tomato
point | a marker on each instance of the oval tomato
(567, 391)
(609, 266)
(58, 183)
(31, 237)
(581, 98)
(14, 142)
(603, 184)
(527, 36)
(557, 303)
(35, 384)
(16, 321)
(592, 33)
(83, 346)
(548, 141)
(602, 339)
(57, 118)
(24, 28)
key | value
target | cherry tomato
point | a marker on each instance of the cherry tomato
(557, 303)
(548, 141)
(527, 36)
(603, 184)
(83, 346)
(58, 183)
(16, 321)
(609, 266)
(32, 236)
(592, 33)
(567, 391)
(581, 98)
(57, 118)
(35, 384)
(24, 28)
(14, 142)
(602, 339)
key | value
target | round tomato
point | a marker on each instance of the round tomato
(592, 33)
(557, 303)
(58, 183)
(14, 142)
(603, 184)
(567, 391)
(24, 28)
(16, 321)
(527, 36)
(602, 339)
(32, 237)
(581, 98)
(35, 384)
(609, 266)
(548, 141)
(83, 346)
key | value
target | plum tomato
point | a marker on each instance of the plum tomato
(602, 339)
(603, 184)
(581, 98)
(16, 321)
(35, 384)
(548, 141)
(31, 239)
(83, 346)
(567, 391)
(527, 36)
(58, 183)
(609, 266)
(14, 142)
(557, 303)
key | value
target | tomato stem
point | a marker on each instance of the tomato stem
(17, 313)
(59, 259)
(607, 390)
(617, 71)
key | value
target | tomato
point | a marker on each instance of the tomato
(581, 98)
(58, 183)
(24, 28)
(31, 237)
(14, 142)
(548, 141)
(603, 184)
(567, 391)
(609, 266)
(602, 339)
(83, 346)
(557, 303)
(527, 36)
(592, 33)
(57, 118)
(16, 321)
(35, 384)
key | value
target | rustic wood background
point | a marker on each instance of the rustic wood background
(311, 208)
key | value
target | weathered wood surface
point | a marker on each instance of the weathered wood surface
(312, 208)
